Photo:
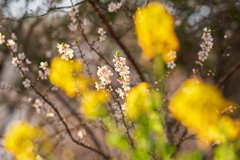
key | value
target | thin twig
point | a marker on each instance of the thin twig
(114, 36)
(60, 117)
(230, 72)
(77, 116)
(181, 139)
(124, 120)
(94, 49)
(82, 55)
(66, 126)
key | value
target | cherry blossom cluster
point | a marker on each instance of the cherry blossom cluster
(65, 51)
(206, 46)
(102, 34)
(40, 107)
(21, 62)
(43, 70)
(114, 6)
(121, 67)
(37, 105)
(27, 83)
(19, 59)
(104, 74)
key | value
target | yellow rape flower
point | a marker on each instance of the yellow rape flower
(155, 31)
(141, 100)
(93, 103)
(67, 75)
(25, 141)
(200, 106)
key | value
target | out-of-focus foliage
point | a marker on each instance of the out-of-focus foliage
(190, 156)
(27, 142)
(200, 107)
(155, 31)
(68, 75)
(116, 137)
(228, 151)
(143, 106)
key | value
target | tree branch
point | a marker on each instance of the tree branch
(114, 36)
(66, 126)
(225, 77)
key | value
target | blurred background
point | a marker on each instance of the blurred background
(38, 25)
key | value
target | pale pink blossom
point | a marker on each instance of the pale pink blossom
(27, 83)
(206, 46)
(120, 66)
(65, 51)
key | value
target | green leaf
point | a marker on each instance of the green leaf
(190, 156)
(225, 152)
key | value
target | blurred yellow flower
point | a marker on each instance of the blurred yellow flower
(93, 103)
(141, 100)
(200, 106)
(68, 75)
(155, 31)
(25, 141)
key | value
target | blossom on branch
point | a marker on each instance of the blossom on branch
(121, 67)
(104, 74)
(65, 51)
(102, 34)
(206, 46)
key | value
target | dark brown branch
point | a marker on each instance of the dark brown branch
(230, 72)
(76, 115)
(60, 117)
(94, 49)
(82, 55)
(124, 120)
(114, 36)
(66, 126)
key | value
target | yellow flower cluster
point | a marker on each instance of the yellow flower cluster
(155, 31)
(25, 141)
(68, 75)
(200, 106)
(141, 100)
(93, 103)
